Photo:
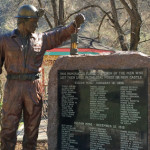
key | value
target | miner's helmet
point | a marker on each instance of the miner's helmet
(29, 11)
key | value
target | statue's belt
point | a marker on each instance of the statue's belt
(27, 76)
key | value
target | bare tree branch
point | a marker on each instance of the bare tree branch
(101, 22)
(144, 41)
(114, 11)
(86, 7)
(99, 27)
(21, 1)
(54, 6)
(116, 43)
(112, 25)
(45, 16)
(133, 3)
(125, 22)
(135, 23)
(40, 3)
(49, 23)
(126, 7)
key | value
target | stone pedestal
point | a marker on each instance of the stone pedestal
(128, 72)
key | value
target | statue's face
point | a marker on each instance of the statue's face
(31, 25)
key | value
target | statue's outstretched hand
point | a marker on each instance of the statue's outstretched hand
(79, 19)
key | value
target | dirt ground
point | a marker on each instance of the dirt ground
(42, 145)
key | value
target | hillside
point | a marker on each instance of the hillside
(94, 16)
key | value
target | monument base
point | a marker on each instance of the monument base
(99, 102)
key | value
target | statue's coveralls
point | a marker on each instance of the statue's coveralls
(24, 94)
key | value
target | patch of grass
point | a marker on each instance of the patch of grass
(0, 105)
(20, 124)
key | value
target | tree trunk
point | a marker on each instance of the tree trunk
(135, 34)
(45, 16)
(135, 23)
(54, 6)
(135, 26)
(61, 12)
(117, 26)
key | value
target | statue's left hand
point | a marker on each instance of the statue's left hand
(79, 19)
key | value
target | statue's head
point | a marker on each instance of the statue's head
(28, 15)
(28, 11)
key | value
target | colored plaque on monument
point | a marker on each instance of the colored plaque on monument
(103, 109)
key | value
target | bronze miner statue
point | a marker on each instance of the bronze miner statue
(21, 52)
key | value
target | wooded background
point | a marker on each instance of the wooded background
(121, 24)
